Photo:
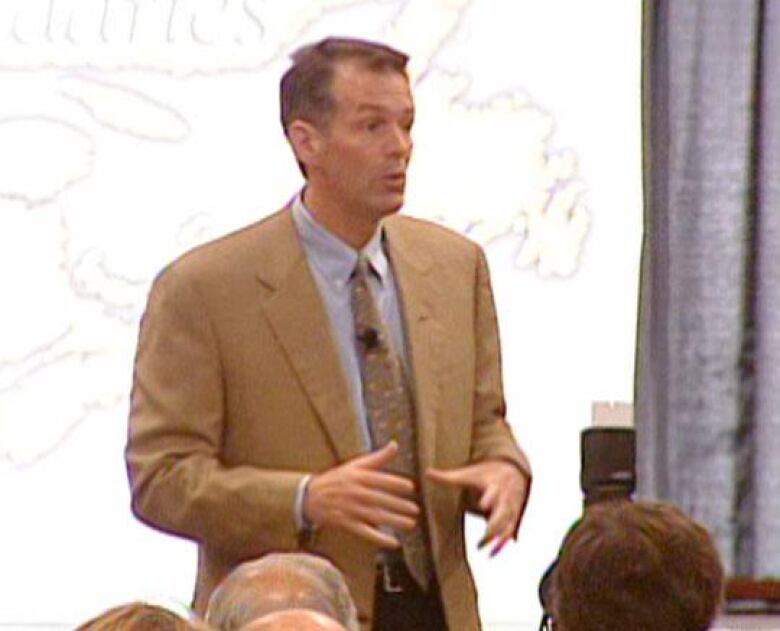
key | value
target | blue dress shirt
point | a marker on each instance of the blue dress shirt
(332, 262)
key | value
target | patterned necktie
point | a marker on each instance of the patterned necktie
(389, 408)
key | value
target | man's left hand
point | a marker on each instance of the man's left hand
(503, 494)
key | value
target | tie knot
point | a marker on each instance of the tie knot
(363, 267)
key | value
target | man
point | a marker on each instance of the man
(637, 566)
(329, 379)
(277, 582)
(294, 620)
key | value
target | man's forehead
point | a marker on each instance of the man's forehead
(364, 89)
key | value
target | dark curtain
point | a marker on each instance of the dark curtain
(708, 357)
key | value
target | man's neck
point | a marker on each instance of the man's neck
(354, 228)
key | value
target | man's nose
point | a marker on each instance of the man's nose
(401, 141)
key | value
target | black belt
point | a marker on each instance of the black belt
(401, 603)
(393, 576)
(389, 578)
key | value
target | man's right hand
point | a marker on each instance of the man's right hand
(359, 497)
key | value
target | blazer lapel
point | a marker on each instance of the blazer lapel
(298, 317)
(411, 266)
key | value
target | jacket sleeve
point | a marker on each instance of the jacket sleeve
(492, 437)
(177, 419)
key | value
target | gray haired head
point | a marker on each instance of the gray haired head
(277, 582)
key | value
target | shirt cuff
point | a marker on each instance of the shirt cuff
(301, 523)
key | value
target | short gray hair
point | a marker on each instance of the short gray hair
(280, 581)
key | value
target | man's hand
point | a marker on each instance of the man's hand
(359, 497)
(503, 493)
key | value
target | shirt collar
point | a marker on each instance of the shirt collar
(334, 258)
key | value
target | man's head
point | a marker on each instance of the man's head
(136, 617)
(638, 566)
(278, 582)
(294, 620)
(347, 110)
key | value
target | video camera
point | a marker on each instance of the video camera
(607, 473)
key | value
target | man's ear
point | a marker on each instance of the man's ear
(306, 141)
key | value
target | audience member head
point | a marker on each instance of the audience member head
(278, 582)
(636, 567)
(294, 620)
(137, 616)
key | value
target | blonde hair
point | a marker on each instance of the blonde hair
(137, 616)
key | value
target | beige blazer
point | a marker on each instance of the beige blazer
(238, 392)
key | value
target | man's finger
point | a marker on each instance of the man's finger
(486, 539)
(378, 458)
(373, 535)
(488, 499)
(490, 533)
(497, 526)
(453, 477)
(383, 518)
(387, 482)
(365, 498)
(502, 541)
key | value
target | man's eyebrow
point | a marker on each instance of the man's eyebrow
(371, 107)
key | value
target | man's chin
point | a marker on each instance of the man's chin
(391, 204)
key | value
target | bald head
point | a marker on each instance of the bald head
(278, 582)
(294, 620)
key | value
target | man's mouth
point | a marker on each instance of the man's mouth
(395, 180)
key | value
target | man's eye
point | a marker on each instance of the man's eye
(373, 125)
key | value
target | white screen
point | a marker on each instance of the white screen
(131, 131)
